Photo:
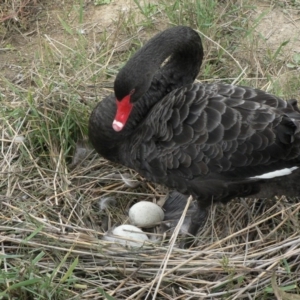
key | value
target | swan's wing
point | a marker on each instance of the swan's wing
(215, 131)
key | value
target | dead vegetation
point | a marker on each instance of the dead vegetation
(18, 15)
(51, 226)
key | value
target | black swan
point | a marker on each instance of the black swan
(212, 141)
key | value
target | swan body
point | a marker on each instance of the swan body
(212, 141)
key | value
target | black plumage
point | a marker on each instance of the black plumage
(211, 141)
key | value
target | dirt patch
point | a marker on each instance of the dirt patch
(21, 38)
(21, 29)
(106, 15)
(279, 25)
(18, 45)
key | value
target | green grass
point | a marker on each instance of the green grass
(50, 223)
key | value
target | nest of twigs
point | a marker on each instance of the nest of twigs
(247, 250)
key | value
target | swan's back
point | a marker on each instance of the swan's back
(201, 139)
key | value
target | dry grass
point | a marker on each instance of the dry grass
(51, 227)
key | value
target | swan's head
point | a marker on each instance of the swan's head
(129, 88)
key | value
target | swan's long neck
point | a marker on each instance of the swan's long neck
(183, 48)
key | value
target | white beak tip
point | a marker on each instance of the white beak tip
(117, 126)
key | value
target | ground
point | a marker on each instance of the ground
(57, 60)
(275, 25)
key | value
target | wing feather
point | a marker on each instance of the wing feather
(212, 131)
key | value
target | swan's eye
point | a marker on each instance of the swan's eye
(132, 92)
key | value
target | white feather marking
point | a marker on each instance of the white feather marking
(278, 173)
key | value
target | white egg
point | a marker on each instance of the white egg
(145, 214)
(127, 235)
